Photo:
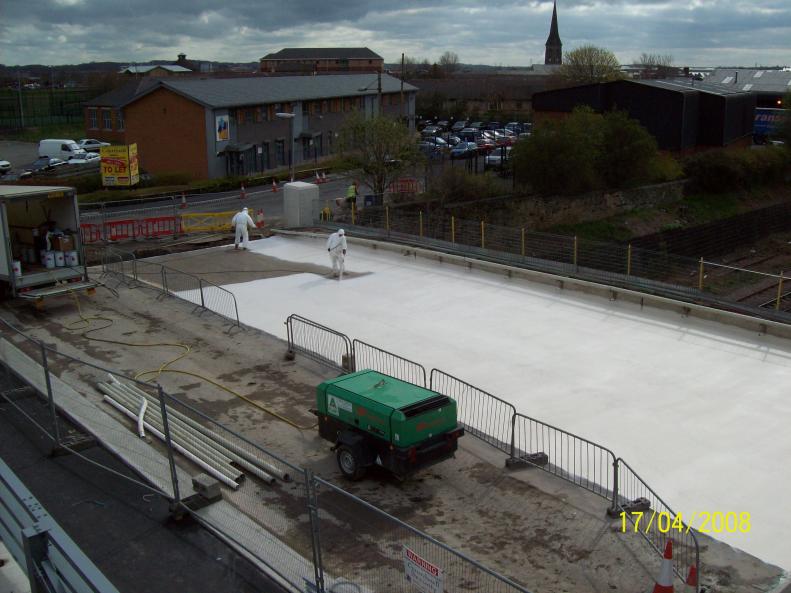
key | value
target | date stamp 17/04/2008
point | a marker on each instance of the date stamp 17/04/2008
(704, 522)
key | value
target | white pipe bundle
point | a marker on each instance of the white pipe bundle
(214, 453)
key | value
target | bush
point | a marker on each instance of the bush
(719, 171)
(457, 185)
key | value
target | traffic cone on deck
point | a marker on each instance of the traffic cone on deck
(243, 193)
(259, 219)
(274, 185)
(692, 577)
(183, 201)
(664, 584)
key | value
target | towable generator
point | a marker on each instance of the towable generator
(375, 419)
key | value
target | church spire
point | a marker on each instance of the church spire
(554, 47)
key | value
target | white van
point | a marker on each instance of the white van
(61, 149)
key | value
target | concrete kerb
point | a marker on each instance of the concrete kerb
(685, 309)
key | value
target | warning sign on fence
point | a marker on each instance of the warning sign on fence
(426, 577)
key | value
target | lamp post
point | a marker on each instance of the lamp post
(378, 90)
(290, 117)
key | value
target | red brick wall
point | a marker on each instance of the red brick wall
(170, 134)
(114, 135)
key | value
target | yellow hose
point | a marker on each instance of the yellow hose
(86, 321)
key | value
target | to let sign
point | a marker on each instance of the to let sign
(426, 577)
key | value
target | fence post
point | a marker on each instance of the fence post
(315, 539)
(629, 260)
(202, 301)
(700, 275)
(483, 236)
(166, 431)
(779, 291)
(452, 229)
(104, 224)
(614, 508)
(50, 399)
(175, 215)
(523, 241)
(387, 219)
(420, 228)
(576, 245)
(164, 279)
(354, 210)
(513, 436)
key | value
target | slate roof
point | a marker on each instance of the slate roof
(323, 53)
(238, 92)
(145, 68)
(123, 94)
(756, 80)
(689, 85)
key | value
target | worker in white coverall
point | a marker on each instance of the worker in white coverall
(240, 221)
(336, 246)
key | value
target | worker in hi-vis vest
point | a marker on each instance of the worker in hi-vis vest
(336, 246)
(240, 222)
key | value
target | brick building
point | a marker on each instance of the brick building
(322, 60)
(210, 128)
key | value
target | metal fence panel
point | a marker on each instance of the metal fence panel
(375, 558)
(485, 416)
(367, 356)
(319, 342)
(219, 300)
(566, 455)
(656, 522)
(182, 285)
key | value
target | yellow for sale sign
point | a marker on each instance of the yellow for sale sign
(119, 165)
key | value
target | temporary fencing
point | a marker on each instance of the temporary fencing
(367, 356)
(484, 415)
(206, 222)
(309, 533)
(526, 440)
(656, 521)
(404, 556)
(316, 341)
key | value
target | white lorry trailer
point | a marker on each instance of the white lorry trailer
(41, 253)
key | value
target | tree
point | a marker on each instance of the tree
(627, 150)
(589, 64)
(449, 62)
(379, 150)
(655, 65)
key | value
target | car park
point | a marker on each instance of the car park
(91, 144)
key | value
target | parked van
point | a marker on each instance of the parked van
(61, 149)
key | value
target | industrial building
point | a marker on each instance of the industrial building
(681, 115)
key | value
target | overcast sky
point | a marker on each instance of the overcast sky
(496, 32)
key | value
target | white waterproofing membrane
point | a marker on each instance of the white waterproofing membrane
(700, 410)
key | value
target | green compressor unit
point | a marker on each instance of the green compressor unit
(375, 419)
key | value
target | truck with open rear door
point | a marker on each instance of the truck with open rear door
(41, 254)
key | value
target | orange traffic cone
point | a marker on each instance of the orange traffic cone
(323, 177)
(183, 201)
(243, 193)
(274, 185)
(318, 179)
(259, 219)
(692, 577)
(664, 584)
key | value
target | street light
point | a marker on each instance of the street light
(367, 87)
(290, 117)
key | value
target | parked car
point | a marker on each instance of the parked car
(443, 125)
(91, 144)
(464, 150)
(430, 150)
(436, 141)
(45, 163)
(431, 130)
(459, 125)
(452, 140)
(90, 157)
(477, 125)
(5, 167)
(494, 125)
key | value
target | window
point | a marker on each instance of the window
(265, 164)
(119, 118)
(107, 119)
(248, 116)
(93, 120)
(305, 108)
(278, 107)
(280, 153)
(307, 149)
(329, 141)
(321, 107)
